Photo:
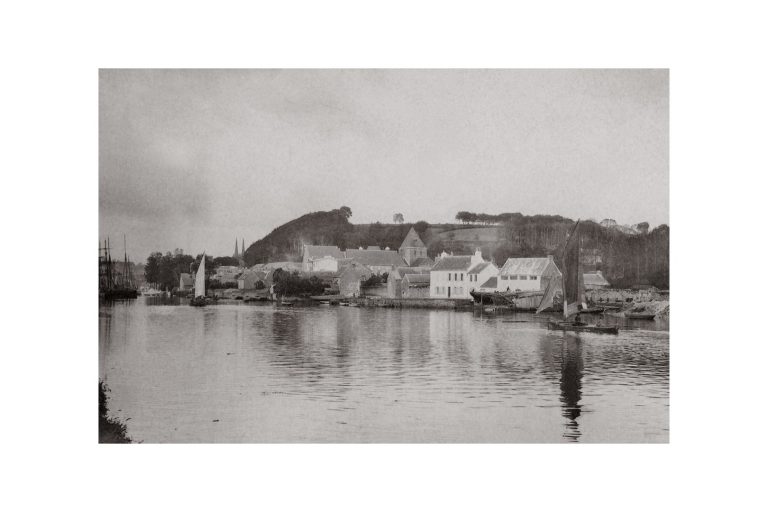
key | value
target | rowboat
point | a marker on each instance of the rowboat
(570, 326)
(640, 316)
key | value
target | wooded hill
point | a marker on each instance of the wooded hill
(625, 259)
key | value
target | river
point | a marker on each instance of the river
(237, 373)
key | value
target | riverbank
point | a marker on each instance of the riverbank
(110, 429)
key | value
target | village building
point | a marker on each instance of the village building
(480, 274)
(378, 260)
(321, 258)
(226, 274)
(351, 278)
(489, 286)
(413, 249)
(186, 282)
(415, 286)
(248, 280)
(395, 278)
(595, 281)
(450, 277)
(526, 274)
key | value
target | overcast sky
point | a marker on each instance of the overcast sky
(193, 159)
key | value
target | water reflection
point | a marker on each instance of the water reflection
(571, 371)
(376, 375)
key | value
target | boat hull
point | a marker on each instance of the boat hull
(599, 329)
(640, 316)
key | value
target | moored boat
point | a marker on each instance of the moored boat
(571, 326)
(200, 300)
(572, 283)
(639, 316)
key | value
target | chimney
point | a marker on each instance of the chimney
(477, 257)
(550, 257)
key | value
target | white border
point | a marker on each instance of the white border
(718, 84)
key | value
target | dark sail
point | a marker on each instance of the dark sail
(573, 281)
(549, 294)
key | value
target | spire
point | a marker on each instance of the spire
(236, 255)
(242, 253)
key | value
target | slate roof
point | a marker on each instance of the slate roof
(422, 262)
(416, 279)
(375, 258)
(525, 266)
(318, 251)
(490, 283)
(453, 263)
(412, 239)
(479, 267)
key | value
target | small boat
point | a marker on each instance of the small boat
(343, 303)
(572, 284)
(354, 305)
(325, 303)
(285, 303)
(640, 315)
(200, 300)
(571, 326)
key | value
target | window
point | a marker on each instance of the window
(513, 277)
(524, 278)
(455, 277)
(437, 290)
(533, 278)
(462, 277)
(504, 278)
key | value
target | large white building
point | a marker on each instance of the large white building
(526, 274)
(453, 277)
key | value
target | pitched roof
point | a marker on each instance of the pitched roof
(318, 251)
(375, 258)
(412, 239)
(416, 279)
(595, 279)
(490, 283)
(479, 267)
(355, 270)
(422, 262)
(453, 263)
(401, 272)
(523, 266)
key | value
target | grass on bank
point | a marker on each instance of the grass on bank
(110, 429)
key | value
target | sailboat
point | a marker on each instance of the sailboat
(572, 283)
(200, 299)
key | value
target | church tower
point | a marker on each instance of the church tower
(236, 255)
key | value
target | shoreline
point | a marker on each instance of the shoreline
(111, 431)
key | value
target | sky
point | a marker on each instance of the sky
(193, 159)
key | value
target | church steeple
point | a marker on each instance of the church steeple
(236, 255)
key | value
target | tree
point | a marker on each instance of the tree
(346, 211)
(228, 261)
(152, 268)
(421, 227)
(398, 218)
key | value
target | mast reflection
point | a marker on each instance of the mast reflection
(571, 372)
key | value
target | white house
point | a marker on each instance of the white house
(526, 274)
(453, 277)
(480, 274)
(321, 258)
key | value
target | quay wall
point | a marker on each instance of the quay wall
(384, 302)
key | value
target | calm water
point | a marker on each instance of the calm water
(242, 373)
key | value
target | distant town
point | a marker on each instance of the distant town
(480, 254)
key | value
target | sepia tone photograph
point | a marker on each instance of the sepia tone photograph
(383, 256)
